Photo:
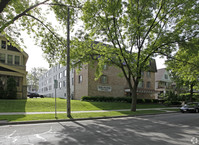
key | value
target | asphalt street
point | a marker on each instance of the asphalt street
(163, 129)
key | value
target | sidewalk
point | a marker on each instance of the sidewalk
(93, 111)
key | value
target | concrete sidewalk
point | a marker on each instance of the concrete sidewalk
(93, 111)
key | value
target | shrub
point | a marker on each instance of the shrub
(2, 90)
(186, 97)
(172, 103)
(11, 88)
(117, 99)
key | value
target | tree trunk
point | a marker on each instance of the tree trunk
(134, 96)
(191, 92)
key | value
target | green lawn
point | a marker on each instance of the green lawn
(14, 118)
(48, 105)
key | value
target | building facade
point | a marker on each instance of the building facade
(163, 82)
(83, 83)
(13, 64)
(111, 84)
(46, 82)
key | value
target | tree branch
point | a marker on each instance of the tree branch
(20, 15)
(46, 28)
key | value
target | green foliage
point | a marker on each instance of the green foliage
(2, 90)
(117, 99)
(184, 66)
(11, 88)
(171, 96)
(186, 97)
(172, 103)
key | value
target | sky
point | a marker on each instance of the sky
(36, 54)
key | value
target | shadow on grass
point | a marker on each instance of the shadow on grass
(12, 105)
(122, 105)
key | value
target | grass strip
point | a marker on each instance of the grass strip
(48, 105)
(177, 110)
(13, 118)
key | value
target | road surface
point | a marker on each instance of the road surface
(164, 129)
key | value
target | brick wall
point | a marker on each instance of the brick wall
(115, 83)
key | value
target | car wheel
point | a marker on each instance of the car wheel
(182, 111)
(197, 111)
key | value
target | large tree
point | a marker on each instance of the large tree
(184, 65)
(134, 31)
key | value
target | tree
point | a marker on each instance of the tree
(33, 77)
(11, 89)
(185, 65)
(32, 19)
(137, 30)
(134, 31)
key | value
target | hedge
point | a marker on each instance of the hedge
(118, 99)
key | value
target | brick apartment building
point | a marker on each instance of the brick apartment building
(111, 84)
(83, 83)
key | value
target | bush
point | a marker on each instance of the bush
(186, 97)
(117, 99)
(2, 91)
(172, 103)
(11, 88)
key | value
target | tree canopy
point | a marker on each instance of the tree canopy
(185, 64)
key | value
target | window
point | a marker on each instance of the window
(64, 73)
(60, 75)
(60, 85)
(50, 80)
(17, 59)
(3, 44)
(2, 58)
(148, 85)
(148, 74)
(141, 84)
(72, 81)
(64, 83)
(166, 76)
(50, 87)
(104, 79)
(80, 79)
(10, 59)
(105, 67)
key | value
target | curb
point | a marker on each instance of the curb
(5, 122)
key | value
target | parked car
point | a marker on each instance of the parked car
(33, 94)
(190, 107)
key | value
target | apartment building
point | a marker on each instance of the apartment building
(163, 82)
(13, 64)
(111, 84)
(46, 82)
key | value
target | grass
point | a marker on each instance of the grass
(48, 105)
(14, 118)
(176, 110)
